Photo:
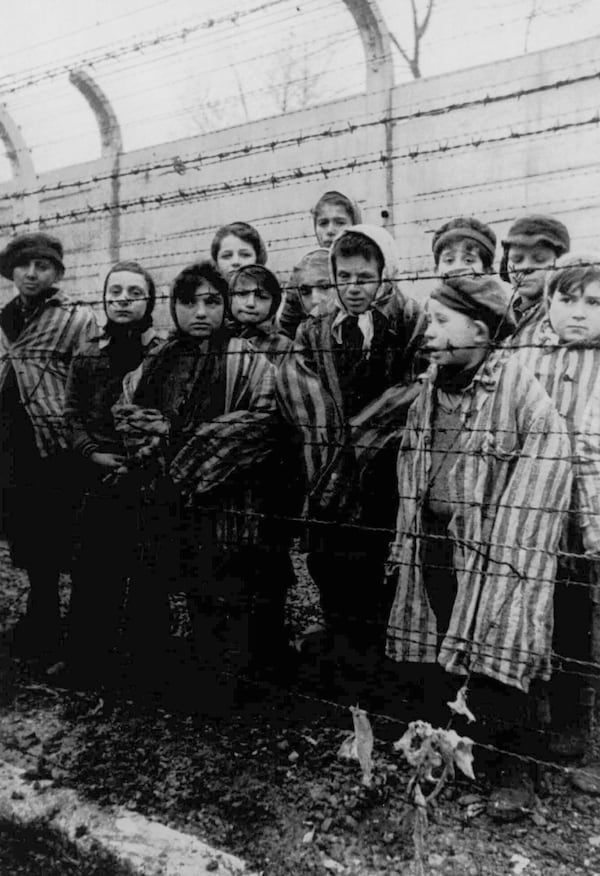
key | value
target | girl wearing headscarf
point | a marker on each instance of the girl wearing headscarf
(109, 517)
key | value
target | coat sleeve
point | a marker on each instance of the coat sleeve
(587, 477)
(239, 439)
(533, 505)
(77, 392)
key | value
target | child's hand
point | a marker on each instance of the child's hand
(108, 460)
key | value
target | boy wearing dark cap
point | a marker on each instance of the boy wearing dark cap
(39, 333)
(463, 246)
(484, 479)
(532, 245)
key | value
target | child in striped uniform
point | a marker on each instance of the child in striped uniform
(341, 362)
(566, 361)
(40, 331)
(484, 478)
(216, 393)
(530, 248)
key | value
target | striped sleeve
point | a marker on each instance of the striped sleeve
(305, 404)
(587, 477)
(240, 438)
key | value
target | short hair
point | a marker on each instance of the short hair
(572, 274)
(135, 268)
(262, 276)
(245, 232)
(353, 243)
(188, 280)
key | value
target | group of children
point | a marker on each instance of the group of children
(437, 457)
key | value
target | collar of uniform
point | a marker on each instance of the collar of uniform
(487, 376)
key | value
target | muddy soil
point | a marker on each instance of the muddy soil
(263, 779)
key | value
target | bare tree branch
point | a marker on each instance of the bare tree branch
(425, 23)
(419, 29)
(394, 39)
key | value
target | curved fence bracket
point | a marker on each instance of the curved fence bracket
(376, 43)
(21, 163)
(379, 81)
(112, 144)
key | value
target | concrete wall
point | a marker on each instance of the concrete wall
(438, 172)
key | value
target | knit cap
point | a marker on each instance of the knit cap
(464, 228)
(481, 298)
(35, 245)
(531, 231)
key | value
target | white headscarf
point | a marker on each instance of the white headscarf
(386, 244)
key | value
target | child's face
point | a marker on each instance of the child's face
(329, 221)
(575, 313)
(204, 314)
(358, 281)
(527, 266)
(234, 253)
(452, 338)
(35, 276)
(460, 258)
(250, 303)
(315, 290)
(126, 297)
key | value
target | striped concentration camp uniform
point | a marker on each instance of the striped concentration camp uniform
(587, 473)
(221, 445)
(40, 357)
(569, 374)
(512, 479)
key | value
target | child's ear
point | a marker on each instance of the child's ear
(482, 332)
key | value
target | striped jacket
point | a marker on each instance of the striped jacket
(569, 374)
(41, 356)
(237, 439)
(528, 325)
(308, 388)
(513, 471)
(587, 474)
(272, 343)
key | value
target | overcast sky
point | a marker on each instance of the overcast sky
(230, 68)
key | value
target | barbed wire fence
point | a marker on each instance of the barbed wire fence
(348, 159)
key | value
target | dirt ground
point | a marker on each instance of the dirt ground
(264, 781)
